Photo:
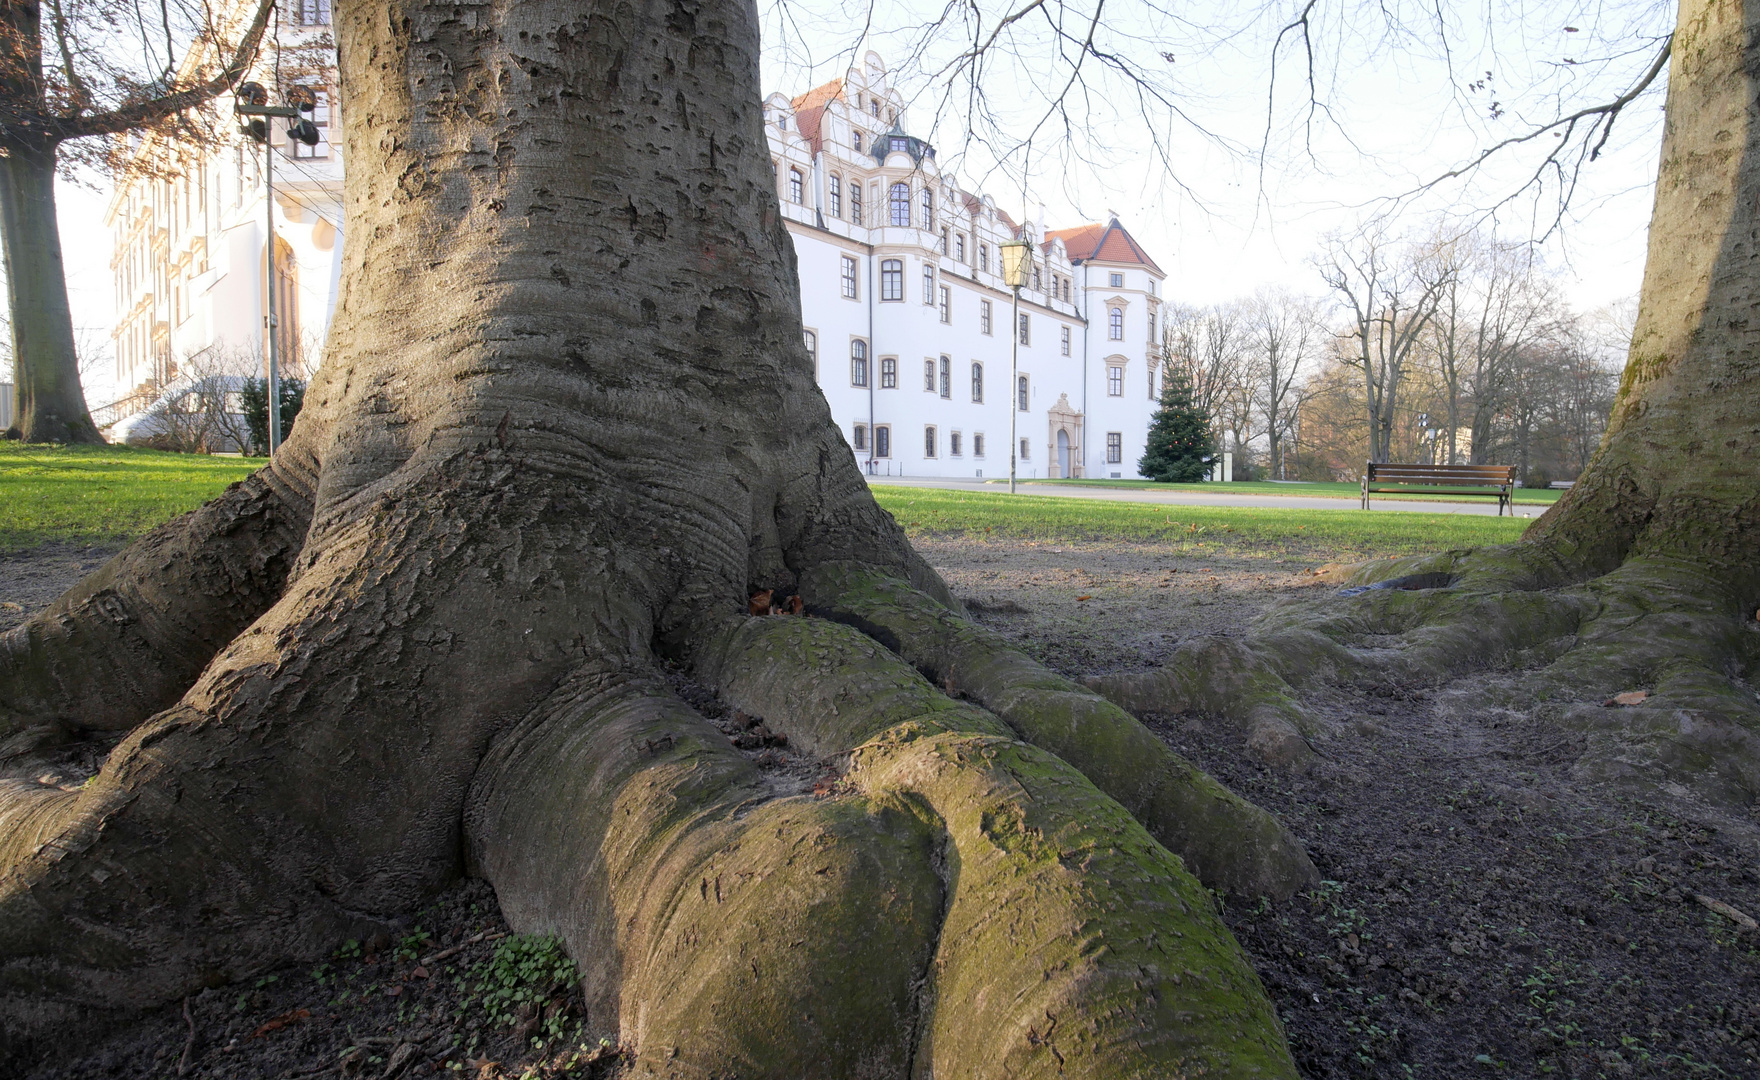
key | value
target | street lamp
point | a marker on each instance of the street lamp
(251, 100)
(1015, 256)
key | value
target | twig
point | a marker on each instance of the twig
(189, 1043)
(1746, 922)
(447, 954)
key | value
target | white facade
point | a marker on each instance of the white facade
(189, 247)
(908, 318)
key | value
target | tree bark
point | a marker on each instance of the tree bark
(51, 404)
(566, 425)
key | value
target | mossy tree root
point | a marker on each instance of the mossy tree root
(1228, 842)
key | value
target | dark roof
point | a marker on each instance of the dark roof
(1110, 242)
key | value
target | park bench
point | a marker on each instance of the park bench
(1489, 480)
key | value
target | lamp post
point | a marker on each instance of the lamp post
(1015, 255)
(253, 101)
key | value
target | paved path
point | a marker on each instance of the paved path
(1195, 495)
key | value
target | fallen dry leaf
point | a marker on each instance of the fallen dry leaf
(1079, 599)
(419, 973)
(1630, 697)
(284, 1020)
(759, 603)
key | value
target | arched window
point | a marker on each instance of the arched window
(1115, 324)
(855, 201)
(858, 363)
(858, 142)
(947, 376)
(928, 283)
(900, 203)
(835, 190)
(874, 106)
(978, 389)
(928, 209)
(796, 189)
(1022, 396)
(892, 279)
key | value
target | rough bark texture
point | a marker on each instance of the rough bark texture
(1644, 576)
(51, 407)
(565, 424)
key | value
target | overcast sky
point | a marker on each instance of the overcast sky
(1229, 185)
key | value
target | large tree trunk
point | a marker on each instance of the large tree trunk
(566, 425)
(1644, 576)
(45, 363)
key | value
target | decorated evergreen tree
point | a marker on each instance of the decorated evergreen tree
(1180, 447)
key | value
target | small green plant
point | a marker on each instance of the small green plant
(525, 973)
(351, 950)
(413, 945)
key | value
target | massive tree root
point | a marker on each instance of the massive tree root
(1626, 616)
(564, 428)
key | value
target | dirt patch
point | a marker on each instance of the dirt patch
(1485, 913)
(31, 579)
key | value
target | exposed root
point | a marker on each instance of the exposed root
(1228, 842)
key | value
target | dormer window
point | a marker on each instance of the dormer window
(901, 144)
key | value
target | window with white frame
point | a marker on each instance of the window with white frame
(796, 187)
(977, 382)
(1066, 340)
(984, 257)
(834, 193)
(851, 287)
(858, 145)
(928, 376)
(860, 442)
(928, 440)
(928, 283)
(1023, 394)
(944, 248)
(1114, 447)
(858, 362)
(1114, 380)
(1115, 324)
(1115, 281)
(946, 371)
(883, 440)
(309, 12)
(892, 279)
(889, 373)
(1151, 382)
(1151, 326)
(928, 201)
(1026, 329)
(1037, 287)
(959, 246)
(899, 202)
(984, 316)
(946, 304)
(855, 194)
(812, 340)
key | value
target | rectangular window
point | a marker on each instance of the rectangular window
(953, 444)
(984, 257)
(858, 363)
(1114, 381)
(946, 304)
(855, 194)
(861, 439)
(929, 441)
(959, 246)
(928, 284)
(944, 241)
(1026, 329)
(977, 382)
(311, 12)
(812, 341)
(882, 440)
(1023, 394)
(849, 277)
(1116, 281)
(836, 195)
(929, 376)
(1151, 382)
(1151, 326)
(978, 444)
(1037, 287)
(892, 279)
(1066, 341)
(1114, 447)
(797, 187)
(889, 373)
(1025, 447)
(947, 377)
(984, 316)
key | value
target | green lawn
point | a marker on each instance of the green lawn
(102, 494)
(111, 494)
(1326, 534)
(1544, 496)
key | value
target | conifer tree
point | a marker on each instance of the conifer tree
(1180, 447)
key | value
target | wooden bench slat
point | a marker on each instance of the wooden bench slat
(1496, 481)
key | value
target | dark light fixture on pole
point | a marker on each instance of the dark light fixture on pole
(1015, 257)
(252, 101)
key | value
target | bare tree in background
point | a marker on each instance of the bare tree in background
(73, 74)
(1390, 289)
(1285, 331)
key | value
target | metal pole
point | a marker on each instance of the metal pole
(274, 357)
(1014, 386)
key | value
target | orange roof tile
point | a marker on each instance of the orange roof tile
(809, 110)
(1110, 242)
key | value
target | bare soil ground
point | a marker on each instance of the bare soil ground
(1485, 912)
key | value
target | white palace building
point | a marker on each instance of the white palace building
(902, 296)
(907, 316)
